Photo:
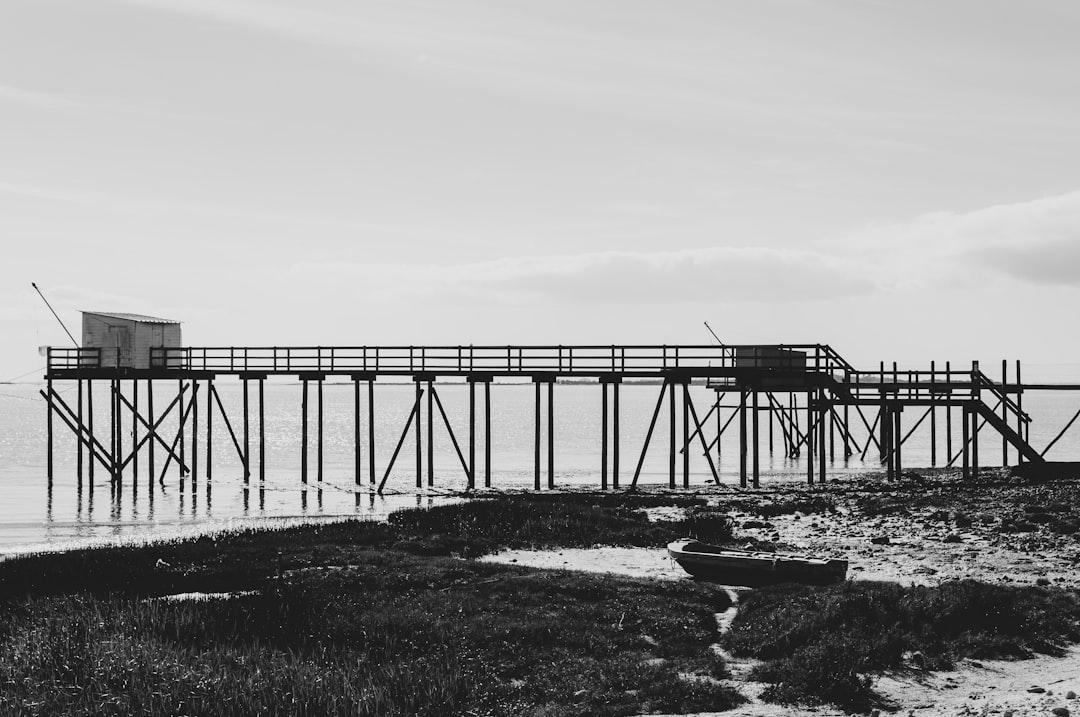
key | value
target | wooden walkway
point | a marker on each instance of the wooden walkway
(807, 392)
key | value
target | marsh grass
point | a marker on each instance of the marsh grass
(391, 634)
(820, 644)
(340, 622)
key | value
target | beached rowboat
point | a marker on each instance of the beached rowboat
(732, 566)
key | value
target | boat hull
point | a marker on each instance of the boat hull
(753, 568)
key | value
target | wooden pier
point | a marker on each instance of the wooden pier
(807, 396)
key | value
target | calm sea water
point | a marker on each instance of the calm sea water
(33, 516)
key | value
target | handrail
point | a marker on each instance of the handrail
(981, 380)
(578, 359)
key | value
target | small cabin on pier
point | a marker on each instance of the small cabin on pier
(125, 340)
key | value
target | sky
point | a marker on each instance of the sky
(898, 179)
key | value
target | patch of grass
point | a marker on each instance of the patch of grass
(820, 643)
(481, 526)
(357, 618)
(786, 506)
(232, 561)
(391, 634)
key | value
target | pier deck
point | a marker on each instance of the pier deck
(780, 381)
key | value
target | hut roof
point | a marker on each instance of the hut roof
(132, 317)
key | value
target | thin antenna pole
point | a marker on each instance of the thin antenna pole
(713, 334)
(65, 328)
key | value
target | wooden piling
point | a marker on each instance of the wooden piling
(671, 434)
(247, 434)
(194, 434)
(1019, 411)
(79, 443)
(536, 446)
(419, 446)
(209, 433)
(603, 435)
(1004, 411)
(150, 419)
(686, 433)
(356, 430)
(977, 398)
(615, 433)
(430, 433)
(320, 435)
(754, 443)
(899, 440)
(49, 431)
(824, 411)
(262, 432)
(90, 431)
(933, 416)
(371, 429)
(304, 430)
(551, 432)
(487, 433)
(472, 435)
(966, 438)
(180, 430)
(742, 437)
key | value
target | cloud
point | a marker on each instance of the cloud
(702, 275)
(30, 98)
(1036, 241)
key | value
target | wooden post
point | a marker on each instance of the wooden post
(90, 430)
(371, 428)
(742, 437)
(671, 435)
(966, 438)
(487, 433)
(719, 426)
(356, 430)
(823, 412)
(209, 431)
(1004, 411)
(79, 443)
(975, 421)
(247, 434)
(832, 430)
(603, 435)
(430, 433)
(888, 422)
(262, 430)
(933, 416)
(809, 438)
(114, 447)
(536, 451)
(49, 431)
(182, 420)
(194, 434)
(319, 431)
(551, 433)
(472, 435)
(755, 446)
(1019, 411)
(948, 412)
(771, 420)
(419, 439)
(135, 432)
(615, 432)
(304, 430)
(151, 420)
(685, 433)
(899, 440)
(847, 434)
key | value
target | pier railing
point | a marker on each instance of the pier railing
(503, 360)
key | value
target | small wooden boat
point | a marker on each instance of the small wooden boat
(732, 566)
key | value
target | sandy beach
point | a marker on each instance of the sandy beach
(911, 533)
